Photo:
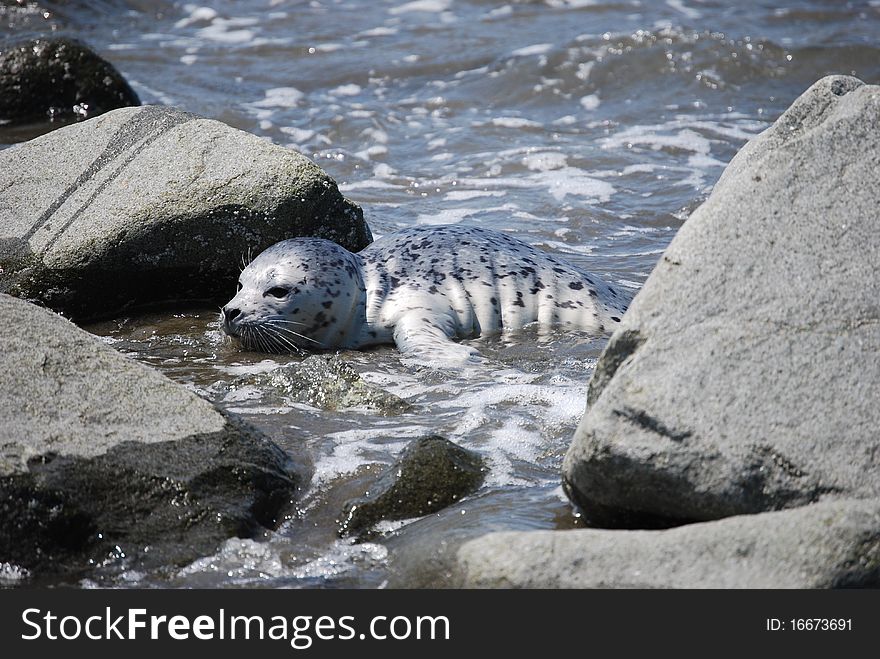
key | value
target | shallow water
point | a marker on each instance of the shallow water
(588, 128)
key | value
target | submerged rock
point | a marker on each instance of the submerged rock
(828, 545)
(104, 460)
(150, 204)
(57, 77)
(430, 474)
(328, 383)
(744, 376)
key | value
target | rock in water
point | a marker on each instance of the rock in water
(50, 78)
(150, 204)
(102, 457)
(744, 376)
(325, 382)
(431, 474)
(749, 551)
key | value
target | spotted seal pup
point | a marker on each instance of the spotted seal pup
(419, 288)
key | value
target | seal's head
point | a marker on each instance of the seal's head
(299, 293)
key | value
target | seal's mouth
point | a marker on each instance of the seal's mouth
(273, 335)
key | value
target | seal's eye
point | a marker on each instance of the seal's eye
(277, 291)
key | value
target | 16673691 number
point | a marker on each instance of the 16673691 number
(809, 624)
(821, 624)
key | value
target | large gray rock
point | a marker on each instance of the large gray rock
(149, 204)
(101, 456)
(826, 545)
(52, 78)
(744, 376)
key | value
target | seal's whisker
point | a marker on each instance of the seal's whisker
(255, 340)
(271, 340)
(284, 320)
(265, 341)
(284, 341)
(289, 331)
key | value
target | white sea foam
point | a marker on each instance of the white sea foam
(427, 6)
(544, 161)
(638, 169)
(262, 366)
(584, 69)
(379, 32)
(375, 135)
(280, 97)
(590, 102)
(225, 31)
(658, 137)
(11, 574)
(368, 184)
(346, 90)
(464, 195)
(570, 4)
(196, 15)
(536, 49)
(566, 181)
(344, 556)
(690, 12)
(559, 183)
(347, 450)
(448, 215)
(499, 12)
(371, 152)
(568, 248)
(299, 135)
(514, 122)
(151, 94)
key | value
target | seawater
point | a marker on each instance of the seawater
(588, 128)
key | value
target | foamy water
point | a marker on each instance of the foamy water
(588, 128)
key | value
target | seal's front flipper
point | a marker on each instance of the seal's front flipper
(426, 343)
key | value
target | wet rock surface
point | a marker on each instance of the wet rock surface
(430, 474)
(742, 378)
(150, 204)
(826, 545)
(326, 382)
(105, 463)
(49, 78)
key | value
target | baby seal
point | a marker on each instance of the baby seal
(419, 288)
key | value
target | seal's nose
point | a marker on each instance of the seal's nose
(231, 313)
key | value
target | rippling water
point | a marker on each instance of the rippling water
(589, 128)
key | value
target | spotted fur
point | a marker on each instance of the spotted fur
(418, 288)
